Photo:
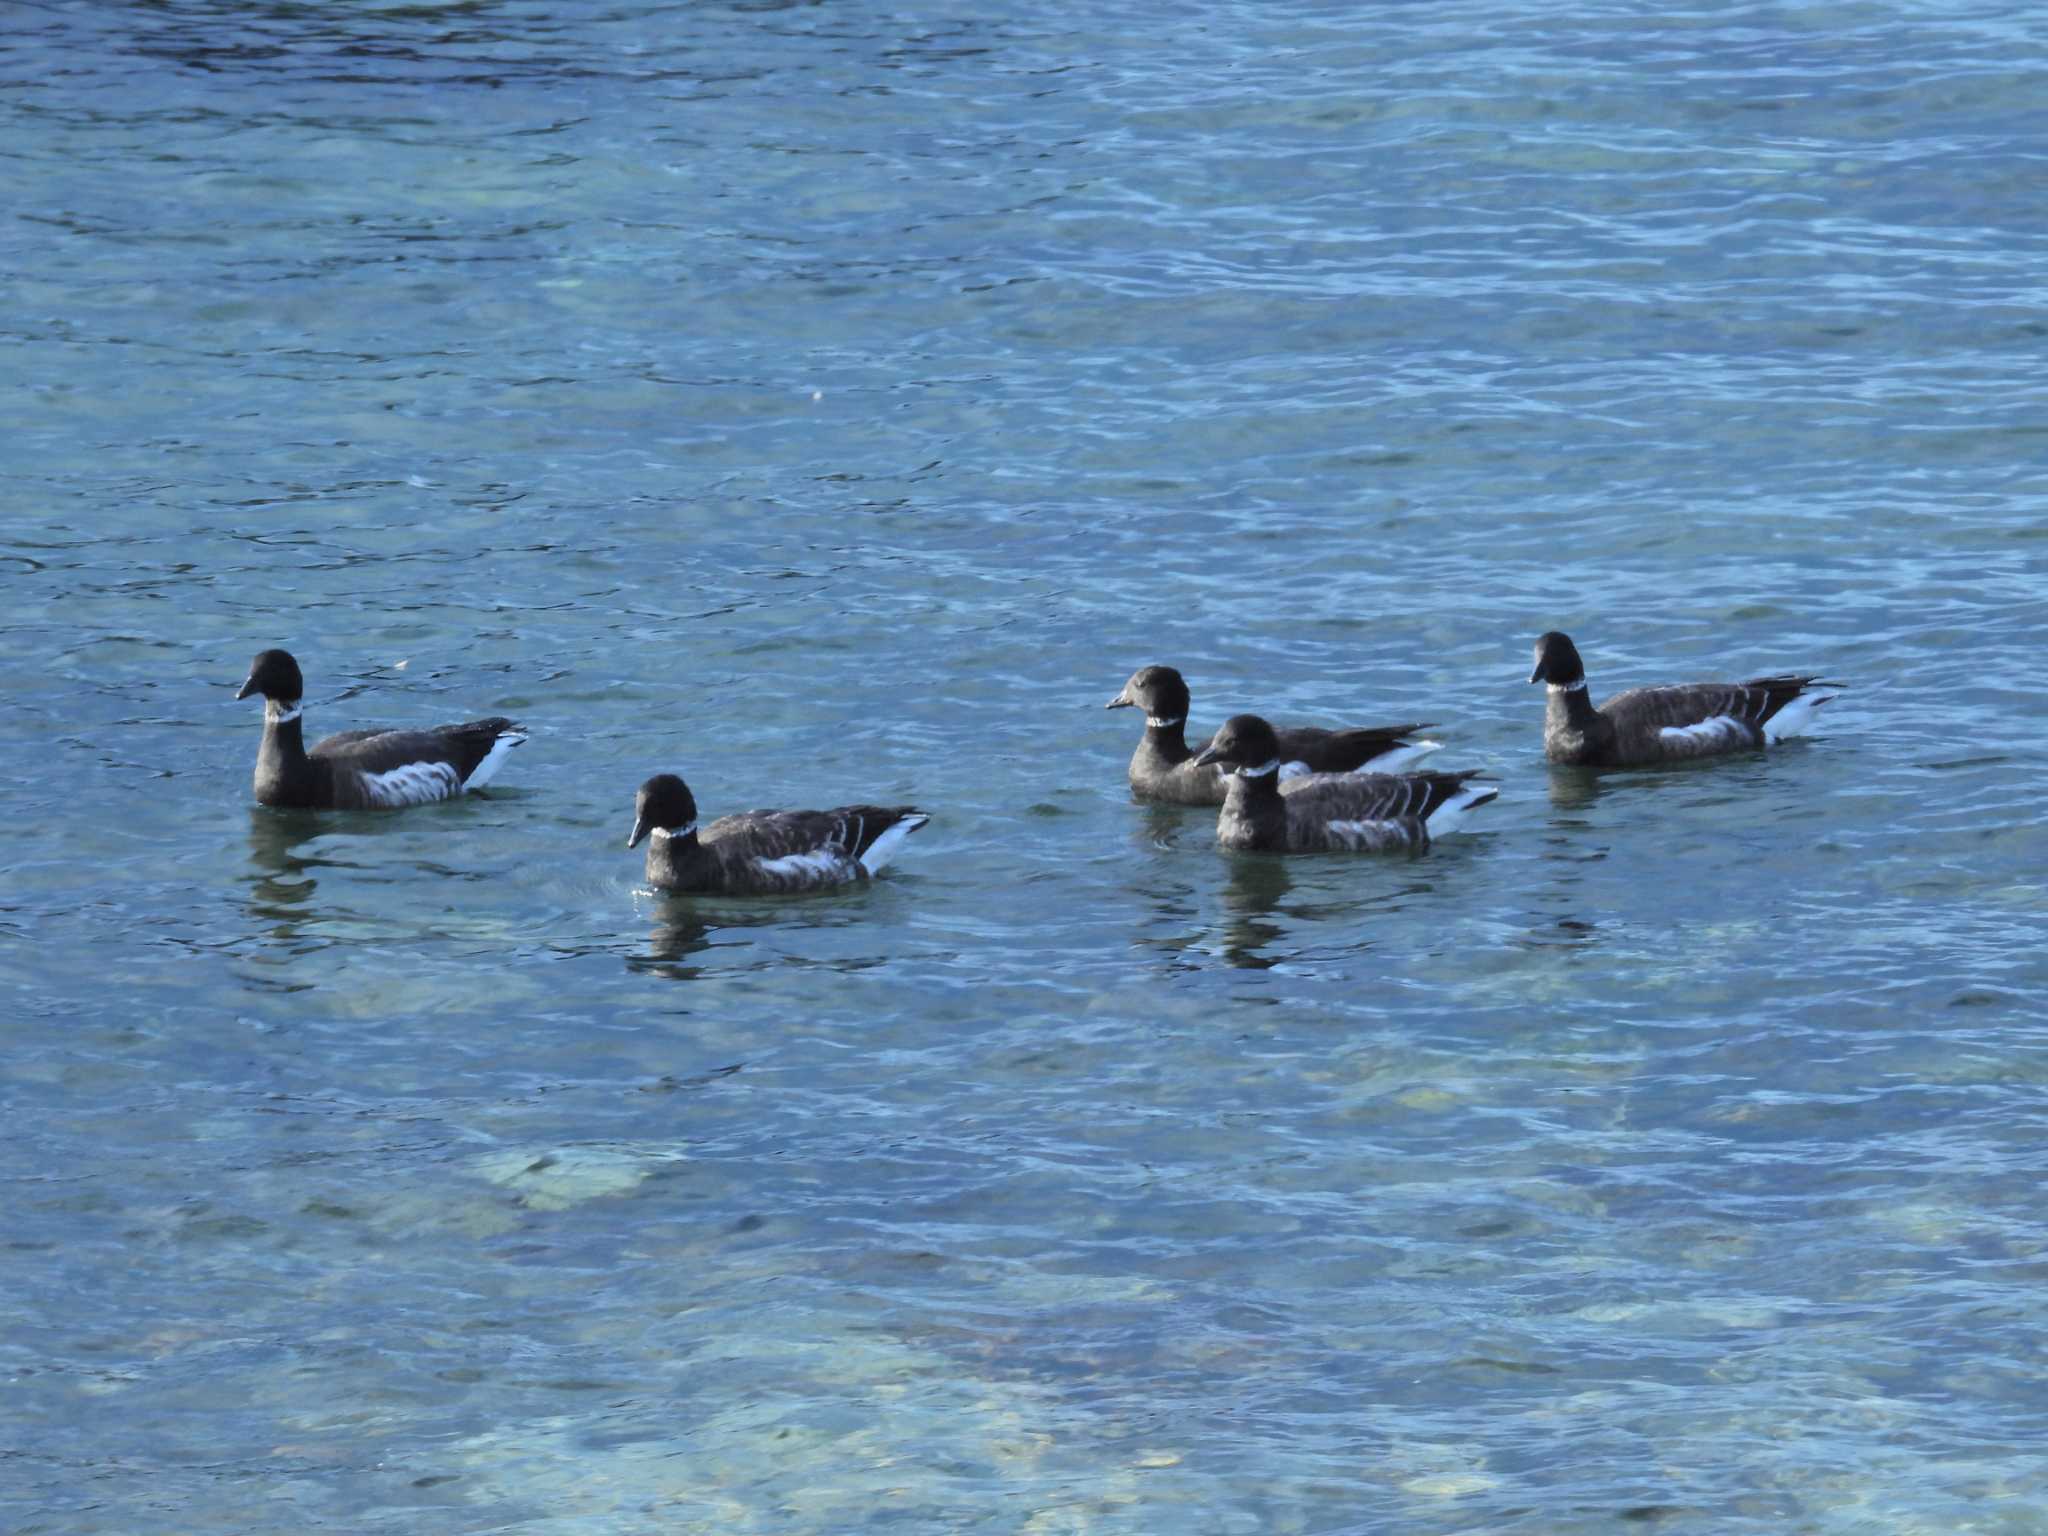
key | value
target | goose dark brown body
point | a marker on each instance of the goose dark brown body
(1327, 812)
(1670, 724)
(1164, 766)
(346, 771)
(762, 853)
(364, 770)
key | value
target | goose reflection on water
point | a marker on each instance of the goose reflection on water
(1573, 789)
(1165, 885)
(288, 851)
(1253, 932)
(1281, 911)
(281, 880)
(282, 862)
(281, 904)
(1258, 883)
(686, 929)
(680, 931)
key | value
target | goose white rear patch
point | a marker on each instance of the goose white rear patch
(1714, 732)
(412, 784)
(1795, 717)
(1394, 759)
(1450, 816)
(883, 848)
(493, 760)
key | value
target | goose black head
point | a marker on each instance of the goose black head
(1160, 691)
(1557, 661)
(276, 676)
(1245, 744)
(664, 804)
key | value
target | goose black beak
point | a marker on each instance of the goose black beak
(248, 687)
(639, 831)
(1207, 756)
(1120, 702)
(1537, 675)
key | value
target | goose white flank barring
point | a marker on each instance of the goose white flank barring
(1330, 812)
(1667, 724)
(364, 770)
(762, 853)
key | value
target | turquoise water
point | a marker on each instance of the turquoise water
(828, 405)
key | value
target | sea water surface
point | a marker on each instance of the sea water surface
(833, 402)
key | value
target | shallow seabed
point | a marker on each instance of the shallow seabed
(828, 405)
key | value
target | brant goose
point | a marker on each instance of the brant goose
(1329, 812)
(364, 770)
(1668, 724)
(1165, 768)
(762, 853)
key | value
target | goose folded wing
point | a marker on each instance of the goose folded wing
(342, 741)
(1686, 719)
(847, 831)
(1341, 751)
(385, 751)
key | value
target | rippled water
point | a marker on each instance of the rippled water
(826, 405)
